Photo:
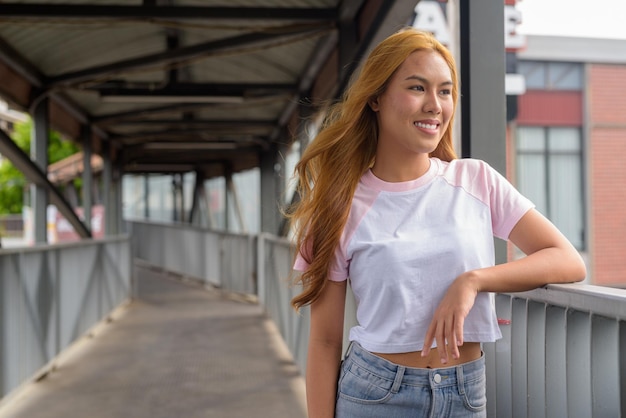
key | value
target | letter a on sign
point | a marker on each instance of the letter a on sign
(430, 18)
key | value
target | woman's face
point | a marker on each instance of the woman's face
(414, 111)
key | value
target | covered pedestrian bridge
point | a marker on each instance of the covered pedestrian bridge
(207, 92)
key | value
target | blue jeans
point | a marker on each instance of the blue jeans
(370, 386)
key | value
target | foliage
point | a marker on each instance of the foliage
(12, 181)
(12, 184)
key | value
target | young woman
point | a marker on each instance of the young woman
(385, 203)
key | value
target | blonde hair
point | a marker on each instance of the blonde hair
(345, 147)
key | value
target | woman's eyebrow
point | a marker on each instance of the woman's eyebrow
(425, 81)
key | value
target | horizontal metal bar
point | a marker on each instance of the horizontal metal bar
(147, 12)
(201, 89)
(599, 300)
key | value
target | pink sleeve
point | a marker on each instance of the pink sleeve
(300, 264)
(338, 269)
(340, 266)
(507, 205)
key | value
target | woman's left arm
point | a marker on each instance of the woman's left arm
(550, 258)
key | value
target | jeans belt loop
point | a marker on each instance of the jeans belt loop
(397, 382)
(460, 379)
(349, 350)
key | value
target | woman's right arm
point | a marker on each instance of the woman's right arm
(324, 354)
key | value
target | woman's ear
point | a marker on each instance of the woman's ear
(373, 103)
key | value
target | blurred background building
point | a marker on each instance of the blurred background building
(567, 144)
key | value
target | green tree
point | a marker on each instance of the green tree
(12, 181)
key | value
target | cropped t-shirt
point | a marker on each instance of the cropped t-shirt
(404, 243)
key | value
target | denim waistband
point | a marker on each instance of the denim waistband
(434, 378)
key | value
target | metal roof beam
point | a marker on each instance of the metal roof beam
(204, 123)
(217, 93)
(189, 87)
(112, 118)
(21, 66)
(349, 9)
(143, 153)
(151, 168)
(198, 133)
(260, 40)
(148, 12)
(33, 173)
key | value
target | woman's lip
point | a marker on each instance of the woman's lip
(429, 121)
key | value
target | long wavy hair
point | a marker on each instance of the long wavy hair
(344, 148)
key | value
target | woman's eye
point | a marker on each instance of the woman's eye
(446, 92)
(417, 88)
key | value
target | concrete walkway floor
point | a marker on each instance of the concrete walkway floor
(179, 350)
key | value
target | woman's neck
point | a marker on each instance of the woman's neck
(398, 171)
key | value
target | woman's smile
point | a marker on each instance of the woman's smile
(428, 126)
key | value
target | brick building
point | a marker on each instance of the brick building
(567, 144)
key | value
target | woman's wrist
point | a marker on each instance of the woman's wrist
(473, 279)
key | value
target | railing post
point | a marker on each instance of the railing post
(39, 155)
(260, 270)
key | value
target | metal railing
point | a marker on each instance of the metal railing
(52, 294)
(275, 293)
(221, 259)
(563, 351)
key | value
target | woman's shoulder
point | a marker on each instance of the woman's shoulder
(466, 163)
(463, 166)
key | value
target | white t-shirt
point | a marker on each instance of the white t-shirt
(404, 243)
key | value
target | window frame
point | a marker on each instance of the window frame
(547, 153)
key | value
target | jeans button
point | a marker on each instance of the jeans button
(437, 378)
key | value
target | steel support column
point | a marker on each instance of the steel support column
(178, 198)
(483, 68)
(146, 196)
(87, 175)
(271, 190)
(118, 197)
(195, 211)
(483, 99)
(302, 135)
(483, 127)
(107, 178)
(113, 194)
(39, 156)
(231, 191)
(227, 221)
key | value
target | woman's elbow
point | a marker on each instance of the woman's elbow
(575, 268)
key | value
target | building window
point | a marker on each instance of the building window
(541, 75)
(550, 173)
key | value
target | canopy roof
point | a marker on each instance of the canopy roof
(181, 85)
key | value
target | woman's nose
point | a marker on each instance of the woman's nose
(432, 105)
